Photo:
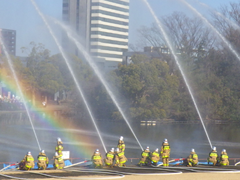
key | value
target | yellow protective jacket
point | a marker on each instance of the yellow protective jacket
(97, 159)
(224, 161)
(59, 149)
(121, 146)
(155, 157)
(42, 160)
(109, 158)
(213, 156)
(145, 156)
(122, 158)
(29, 162)
(58, 162)
(193, 158)
(165, 150)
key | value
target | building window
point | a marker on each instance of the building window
(65, 4)
(65, 11)
(110, 20)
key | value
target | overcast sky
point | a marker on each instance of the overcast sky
(20, 15)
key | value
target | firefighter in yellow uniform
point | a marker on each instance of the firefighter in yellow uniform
(58, 161)
(109, 158)
(192, 159)
(145, 160)
(165, 152)
(213, 156)
(59, 147)
(28, 161)
(22, 163)
(116, 158)
(121, 145)
(224, 158)
(42, 160)
(97, 159)
(121, 158)
(155, 157)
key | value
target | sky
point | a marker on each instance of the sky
(21, 16)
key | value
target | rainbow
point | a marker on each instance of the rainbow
(50, 121)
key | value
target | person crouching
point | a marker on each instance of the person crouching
(192, 159)
(109, 158)
(97, 159)
(42, 160)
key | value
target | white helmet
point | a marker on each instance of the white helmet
(147, 148)
(121, 138)
(117, 149)
(214, 148)
(156, 150)
(224, 150)
(59, 139)
(29, 153)
(112, 150)
(97, 151)
(193, 150)
(56, 154)
(42, 151)
(165, 140)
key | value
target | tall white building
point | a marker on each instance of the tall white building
(103, 25)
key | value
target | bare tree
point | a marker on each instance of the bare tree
(185, 33)
(227, 22)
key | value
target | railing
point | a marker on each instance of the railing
(155, 122)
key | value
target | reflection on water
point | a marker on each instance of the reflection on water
(79, 136)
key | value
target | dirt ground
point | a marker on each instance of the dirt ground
(81, 175)
(184, 176)
(187, 176)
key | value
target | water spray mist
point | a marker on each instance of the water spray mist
(9, 60)
(99, 74)
(179, 66)
(71, 71)
(213, 28)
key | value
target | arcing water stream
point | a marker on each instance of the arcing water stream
(179, 66)
(214, 29)
(71, 71)
(9, 60)
(219, 14)
(99, 74)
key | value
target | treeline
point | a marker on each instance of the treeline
(41, 75)
(150, 88)
(210, 65)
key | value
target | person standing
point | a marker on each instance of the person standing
(121, 145)
(165, 152)
(97, 159)
(145, 157)
(155, 157)
(213, 156)
(192, 159)
(224, 161)
(42, 160)
(109, 158)
(59, 147)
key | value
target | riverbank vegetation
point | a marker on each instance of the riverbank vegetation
(149, 88)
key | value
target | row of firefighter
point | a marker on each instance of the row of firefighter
(116, 157)
(27, 162)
